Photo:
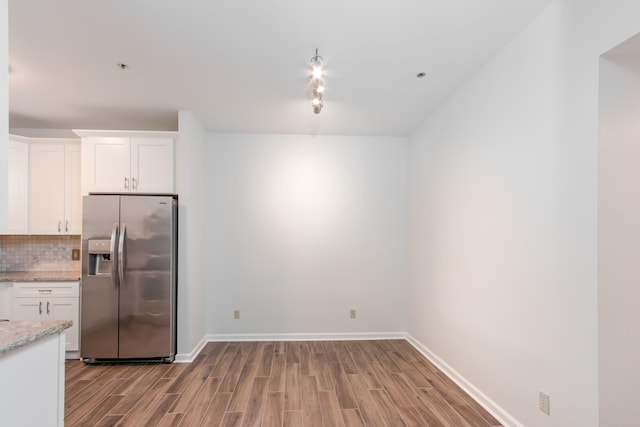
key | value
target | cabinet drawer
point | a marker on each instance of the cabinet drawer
(46, 289)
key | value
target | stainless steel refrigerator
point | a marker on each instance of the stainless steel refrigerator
(129, 278)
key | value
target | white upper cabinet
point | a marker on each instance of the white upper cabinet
(47, 188)
(121, 162)
(73, 188)
(54, 187)
(106, 164)
(152, 165)
(18, 183)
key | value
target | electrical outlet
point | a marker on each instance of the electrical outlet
(236, 314)
(544, 402)
(75, 254)
(352, 313)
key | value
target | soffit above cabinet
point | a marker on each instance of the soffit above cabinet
(84, 133)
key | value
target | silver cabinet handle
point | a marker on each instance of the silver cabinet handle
(112, 254)
(121, 255)
(126, 183)
(48, 307)
(40, 307)
(59, 226)
(66, 225)
(134, 184)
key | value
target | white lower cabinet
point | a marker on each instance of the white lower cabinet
(49, 301)
(32, 392)
(6, 292)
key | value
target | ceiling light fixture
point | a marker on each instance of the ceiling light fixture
(317, 82)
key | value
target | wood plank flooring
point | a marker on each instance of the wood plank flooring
(284, 384)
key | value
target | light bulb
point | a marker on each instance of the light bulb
(315, 101)
(317, 72)
(318, 85)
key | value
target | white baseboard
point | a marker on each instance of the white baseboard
(190, 357)
(492, 407)
(72, 355)
(347, 336)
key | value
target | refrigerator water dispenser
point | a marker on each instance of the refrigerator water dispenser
(100, 262)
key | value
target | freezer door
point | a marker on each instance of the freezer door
(147, 276)
(99, 289)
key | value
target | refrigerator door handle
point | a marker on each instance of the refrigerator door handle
(121, 258)
(112, 254)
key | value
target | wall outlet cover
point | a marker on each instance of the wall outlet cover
(75, 254)
(544, 402)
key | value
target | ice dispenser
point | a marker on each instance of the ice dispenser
(100, 262)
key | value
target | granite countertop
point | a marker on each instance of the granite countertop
(39, 276)
(16, 334)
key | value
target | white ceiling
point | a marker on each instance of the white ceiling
(241, 65)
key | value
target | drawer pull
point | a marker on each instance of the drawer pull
(45, 291)
(40, 307)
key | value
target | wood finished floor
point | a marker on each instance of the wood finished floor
(328, 383)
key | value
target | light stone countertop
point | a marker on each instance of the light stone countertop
(16, 334)
(39, 276)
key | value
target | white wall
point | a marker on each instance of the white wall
(190, 186)
(502, 218)
(301, 229)
(4, 112)
(43, 133)
(619, 240)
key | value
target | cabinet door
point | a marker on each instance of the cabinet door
(73, 192)
(6, 300)
(65, 309)
(107, 163)
(152, 165)
(18, 191)
(28, 309)
(46, 188)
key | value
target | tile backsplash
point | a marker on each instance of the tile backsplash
(38, 253)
